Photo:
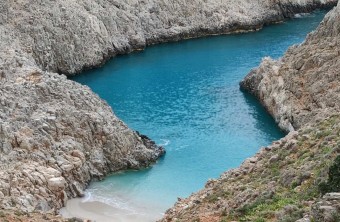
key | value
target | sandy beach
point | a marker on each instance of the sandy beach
(102, 212)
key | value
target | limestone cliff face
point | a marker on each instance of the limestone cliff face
(304, 85)
(280, 183)
(66, 36)
(55, 135)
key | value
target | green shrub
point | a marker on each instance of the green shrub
(260, 219)
(333, 183)
(336, 216)
(18, 213)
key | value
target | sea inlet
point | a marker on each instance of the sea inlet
(185, 95)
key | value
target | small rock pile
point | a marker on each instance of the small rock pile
(327, 209)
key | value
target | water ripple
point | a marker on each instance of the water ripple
(185, 96)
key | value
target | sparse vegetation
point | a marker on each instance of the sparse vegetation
(333, 182)
(298, 166)
(18, 213)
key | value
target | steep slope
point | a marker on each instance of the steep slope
(305, 84)
(66, 36)
(56, 135)
(281, 182)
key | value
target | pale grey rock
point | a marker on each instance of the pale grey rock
(304, 85)
(56, 135)
(327, 209)
(332, 196)
(274, 158)
(66, 36)
(302, 92)
(56, 183)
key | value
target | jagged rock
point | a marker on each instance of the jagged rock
(302, 92)
(303, 85)
(327, 209)
(68, 36)
(56, 135)
(56, 183)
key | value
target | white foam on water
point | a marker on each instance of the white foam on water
(181, 147)
(301, 15)
(99, 208)
(165, 142)
(115, 202)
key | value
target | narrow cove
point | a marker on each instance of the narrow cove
(185, 96)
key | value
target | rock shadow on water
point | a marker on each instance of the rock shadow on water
(265, 120)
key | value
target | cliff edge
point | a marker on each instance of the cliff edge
(304, 84)
(286, 181)
(56, 135)
(67, 36)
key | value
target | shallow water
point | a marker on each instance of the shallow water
(185, 96)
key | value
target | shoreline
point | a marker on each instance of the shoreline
(194, 34)
(39, 125)
(78, 206)
(99, 211)
(285, 180)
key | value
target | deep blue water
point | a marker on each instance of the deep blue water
(185, 95)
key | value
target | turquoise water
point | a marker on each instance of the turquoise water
(185, 95)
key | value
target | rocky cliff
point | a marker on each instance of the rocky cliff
(279, 183)
(56, 135)
(304, 85)
(66, 36)
(282, 182)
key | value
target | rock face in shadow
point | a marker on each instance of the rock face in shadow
(56, 135)
(281, 182)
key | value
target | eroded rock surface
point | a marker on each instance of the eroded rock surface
(328, 208)
(55, 135)
(281, 182)
(263, 189)
(304, 85)
(66, 36)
